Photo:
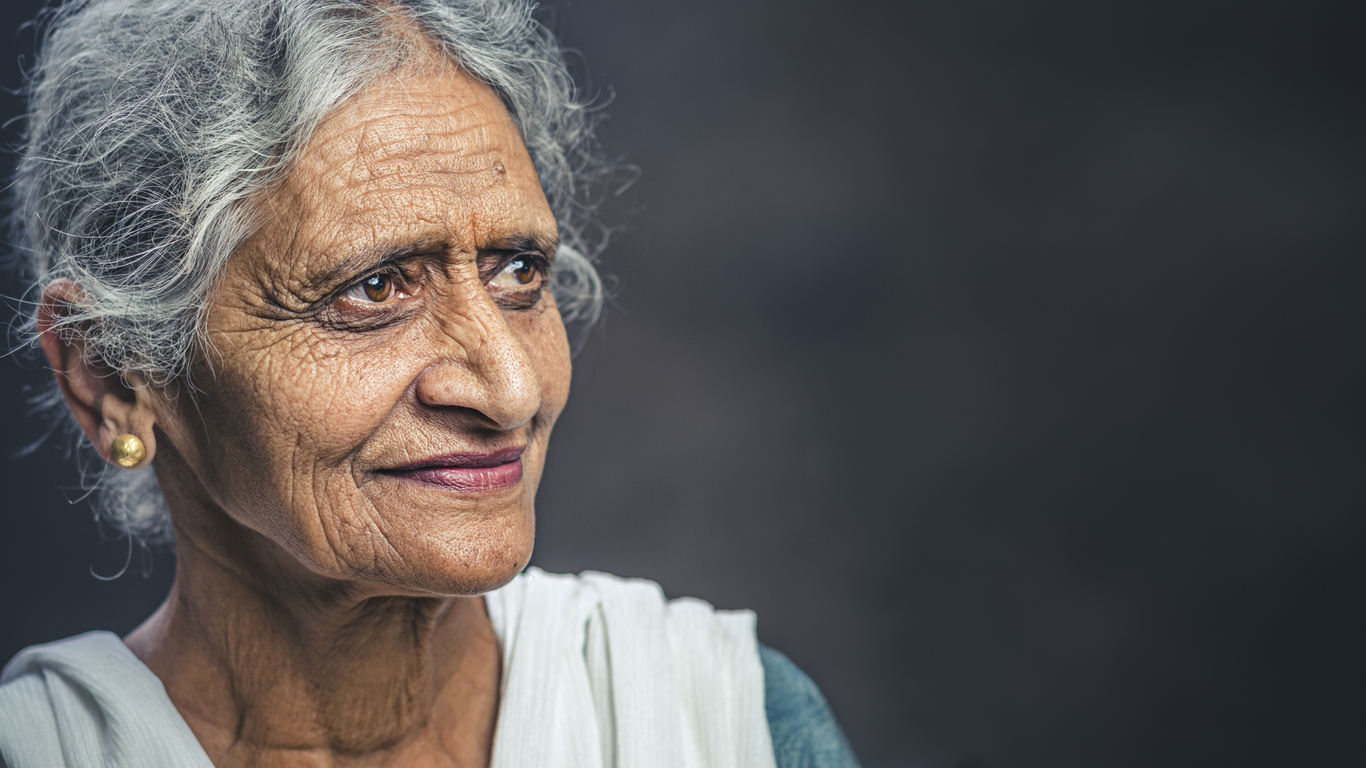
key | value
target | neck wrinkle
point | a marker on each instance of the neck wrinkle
(311, 671)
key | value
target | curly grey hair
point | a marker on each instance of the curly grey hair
(153, 124)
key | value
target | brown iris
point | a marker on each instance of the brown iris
(523, 270)
(378, 288)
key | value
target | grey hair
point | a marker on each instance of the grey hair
(154, 124)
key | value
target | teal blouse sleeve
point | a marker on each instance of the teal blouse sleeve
(805, 734)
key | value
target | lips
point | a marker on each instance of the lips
(467, 472)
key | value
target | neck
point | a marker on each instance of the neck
(272, 665)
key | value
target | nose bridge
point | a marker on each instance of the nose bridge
(482, 364)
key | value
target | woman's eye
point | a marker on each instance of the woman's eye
(519, 272)
(377, 288)
(379, 297)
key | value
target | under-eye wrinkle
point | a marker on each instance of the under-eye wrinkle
(518, 300)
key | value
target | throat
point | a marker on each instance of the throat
(386, 680)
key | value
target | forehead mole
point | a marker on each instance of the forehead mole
(499, 168)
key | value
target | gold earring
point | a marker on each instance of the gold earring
(128, 451)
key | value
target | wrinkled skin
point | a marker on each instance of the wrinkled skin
(325, 608)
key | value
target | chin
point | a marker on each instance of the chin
(472, 560)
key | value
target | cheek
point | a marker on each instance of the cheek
(322, 394)
(285, 416)
(544, 338)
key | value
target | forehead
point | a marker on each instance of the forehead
(432, 155)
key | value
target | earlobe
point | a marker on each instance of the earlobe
(104, 405)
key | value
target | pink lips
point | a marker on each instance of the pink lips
(468, 472)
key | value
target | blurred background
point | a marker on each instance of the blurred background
(1006, 357)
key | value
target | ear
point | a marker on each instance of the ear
(103, 401)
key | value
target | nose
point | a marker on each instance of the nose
(481, 366)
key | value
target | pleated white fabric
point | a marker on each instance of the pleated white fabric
(87, 701)
(602, 672)
(598, 672)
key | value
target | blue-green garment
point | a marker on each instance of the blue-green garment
(805, 734)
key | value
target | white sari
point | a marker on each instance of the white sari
(598, 672)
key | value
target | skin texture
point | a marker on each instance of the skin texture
(325, 609)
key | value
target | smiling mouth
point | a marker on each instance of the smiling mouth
(466, 472)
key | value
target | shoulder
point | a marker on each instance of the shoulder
(34, 688)
(88, 700)
(805, 733)
(28, 724)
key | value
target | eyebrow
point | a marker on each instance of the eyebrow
(384, 254)
(373, 257)
(525, 241)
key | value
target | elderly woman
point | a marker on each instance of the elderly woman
(303, 269)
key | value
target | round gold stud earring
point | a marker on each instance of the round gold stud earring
(128, 451)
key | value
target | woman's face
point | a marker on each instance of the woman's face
(386, 360)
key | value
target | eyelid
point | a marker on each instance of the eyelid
(387, 270)
(393, 266)
(358, 314)
(537, 259)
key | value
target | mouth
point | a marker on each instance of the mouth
(466, 472)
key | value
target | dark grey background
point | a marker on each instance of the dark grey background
(1006, 357)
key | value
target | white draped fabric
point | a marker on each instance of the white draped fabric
(598, 672)
(601, 671)
(87, 701)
